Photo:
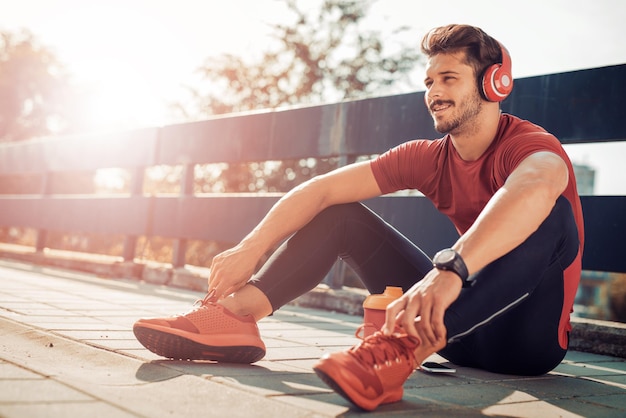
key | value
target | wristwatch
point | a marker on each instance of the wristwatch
(450, 260)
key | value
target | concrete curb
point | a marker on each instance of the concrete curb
(598, 337)
(592, 336)
(588, 335)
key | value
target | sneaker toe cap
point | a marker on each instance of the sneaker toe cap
(342, 367)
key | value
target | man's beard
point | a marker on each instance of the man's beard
(471, 108)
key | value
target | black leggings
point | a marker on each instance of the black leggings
(507, 322)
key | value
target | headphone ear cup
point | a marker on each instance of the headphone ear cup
(487, 84)
(497, 81)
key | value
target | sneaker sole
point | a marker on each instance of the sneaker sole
(177, 347)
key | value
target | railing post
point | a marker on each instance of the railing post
(42, 234)
(136, 189)
(179, 247)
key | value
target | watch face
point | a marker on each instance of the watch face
(446, 256)
(448, 259)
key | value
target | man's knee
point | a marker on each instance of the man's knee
(562, 208)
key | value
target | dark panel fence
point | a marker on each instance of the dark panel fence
(581, 106)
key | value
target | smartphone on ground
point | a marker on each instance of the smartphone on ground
(432, 367)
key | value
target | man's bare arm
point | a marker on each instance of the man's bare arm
(515, 211)
(231, 269)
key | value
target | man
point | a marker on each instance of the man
(498, 299)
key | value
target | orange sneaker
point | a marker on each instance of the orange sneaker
(207, 332)
(372, 372)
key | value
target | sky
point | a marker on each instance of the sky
(136, 56)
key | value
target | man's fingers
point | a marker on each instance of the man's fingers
(425, 324)
(391, 314)
(412, 310)
(437, 323)
(221, 292)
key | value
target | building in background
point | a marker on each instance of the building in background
(592, 298)
(585, 177)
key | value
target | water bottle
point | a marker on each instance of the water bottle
(374, 309)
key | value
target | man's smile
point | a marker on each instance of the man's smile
(440, 106)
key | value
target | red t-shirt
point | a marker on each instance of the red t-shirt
(461, 189)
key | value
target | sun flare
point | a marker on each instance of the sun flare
(119, 62)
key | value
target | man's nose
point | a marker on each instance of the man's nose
(431, 95)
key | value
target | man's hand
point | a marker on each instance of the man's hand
(231, 270)
(428, 299)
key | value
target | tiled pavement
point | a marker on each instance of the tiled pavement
(67, 350)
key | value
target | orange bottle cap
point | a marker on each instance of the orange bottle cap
(381, 301)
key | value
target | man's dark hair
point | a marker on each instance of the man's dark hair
(481, 50)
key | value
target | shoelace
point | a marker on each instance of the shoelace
(379, 349)
(360, 331)
(210, 297)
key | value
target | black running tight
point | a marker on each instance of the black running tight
(507, 323)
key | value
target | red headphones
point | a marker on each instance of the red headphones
(497, 81)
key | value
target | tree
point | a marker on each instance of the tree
(32, 84)
(321, 57)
